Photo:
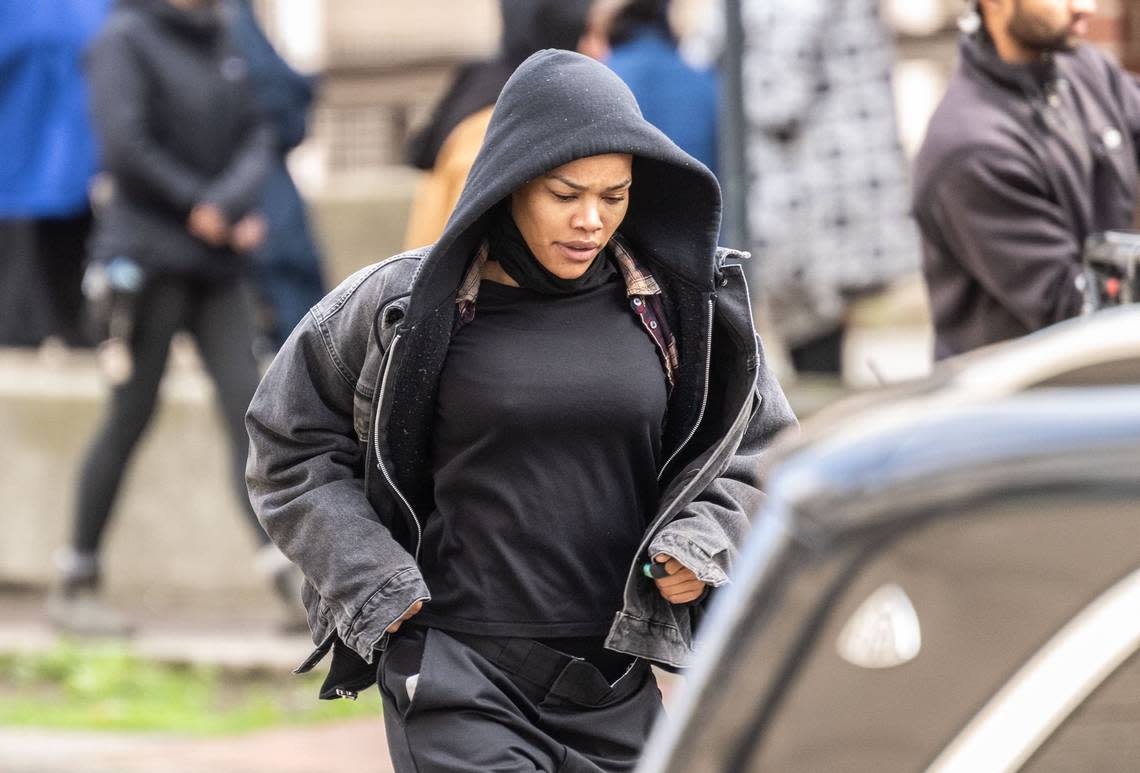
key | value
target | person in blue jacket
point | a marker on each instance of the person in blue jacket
(677, 98)
(47, 167)
(287, 269)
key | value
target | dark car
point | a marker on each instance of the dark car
(944, 578)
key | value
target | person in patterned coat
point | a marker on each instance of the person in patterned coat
(828, 202)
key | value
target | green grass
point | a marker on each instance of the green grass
(103, 687)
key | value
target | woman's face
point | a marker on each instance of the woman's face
(568, 214)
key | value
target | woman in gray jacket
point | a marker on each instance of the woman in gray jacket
(512, 465)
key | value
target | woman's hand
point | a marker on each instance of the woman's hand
(413, 610)
(208, 223)
(681, 586)
(249, 233)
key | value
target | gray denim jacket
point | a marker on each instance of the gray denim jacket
(338, 435)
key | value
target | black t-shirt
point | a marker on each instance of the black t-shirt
(546, 447)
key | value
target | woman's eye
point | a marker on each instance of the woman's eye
(565, 197)
(615, 199)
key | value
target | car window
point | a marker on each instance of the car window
(987, 586)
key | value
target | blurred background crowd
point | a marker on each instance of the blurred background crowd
(348, 142)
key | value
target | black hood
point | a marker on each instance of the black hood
(557, 107)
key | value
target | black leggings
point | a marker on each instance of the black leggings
(218, 316)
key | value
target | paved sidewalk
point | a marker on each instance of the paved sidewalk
(349, 745)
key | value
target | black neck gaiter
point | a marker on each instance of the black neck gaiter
(509, 248)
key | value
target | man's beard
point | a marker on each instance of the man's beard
(1034, 34)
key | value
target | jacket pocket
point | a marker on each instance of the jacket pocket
(400, 670)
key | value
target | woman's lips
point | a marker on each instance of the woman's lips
(578, 251)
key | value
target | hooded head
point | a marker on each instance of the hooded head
(557, 107)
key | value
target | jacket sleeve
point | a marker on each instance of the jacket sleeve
(118, 100)
(238, 189)
(283, 93)
(993, 214)
(305, 482)
(707, 535)
(1130, 101)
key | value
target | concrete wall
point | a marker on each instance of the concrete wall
(177, 530)
(362, 220)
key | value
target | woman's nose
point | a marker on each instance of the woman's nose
(589, 218)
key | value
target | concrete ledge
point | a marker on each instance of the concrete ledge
(362, 218)
(177, 529)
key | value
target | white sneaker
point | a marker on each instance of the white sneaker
(83, 612)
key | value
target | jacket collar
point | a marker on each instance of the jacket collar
(979, 56)
(638, 279)
(639, 284)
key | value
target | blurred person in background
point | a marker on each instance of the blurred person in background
(46, 168)
(513, 465)
(674, 96)
(287, 265)
(188, 154)
(1033, 149)
(446, 147)
(828, 193)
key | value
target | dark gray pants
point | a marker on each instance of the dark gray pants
(219, 318)
(509, 705)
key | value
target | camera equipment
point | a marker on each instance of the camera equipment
(1112, 269)
(111, 290)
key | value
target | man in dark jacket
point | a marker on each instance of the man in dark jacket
(1033, 149)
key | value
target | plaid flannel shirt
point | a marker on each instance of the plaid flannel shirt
(641, 288)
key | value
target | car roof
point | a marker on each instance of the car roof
(940, 451)
(1063, 354)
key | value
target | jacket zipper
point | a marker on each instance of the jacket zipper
(704, 397)
(659, 522)
(380, 458)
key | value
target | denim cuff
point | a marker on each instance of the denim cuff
(691, 555)
(367, 633)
